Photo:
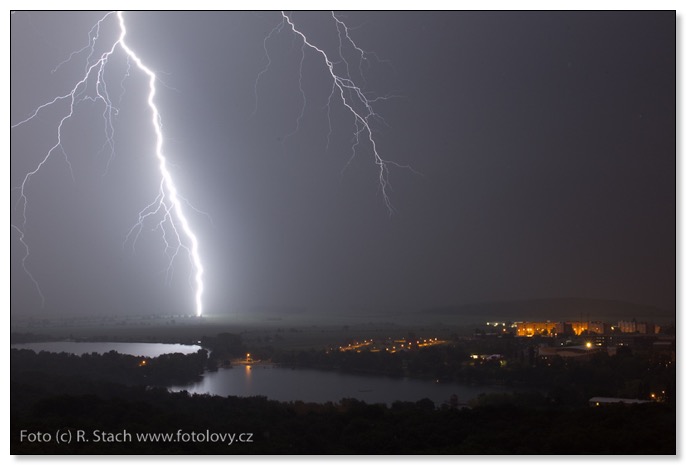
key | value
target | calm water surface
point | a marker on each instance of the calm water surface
(144, 349)
(283, 384)
(286, 384)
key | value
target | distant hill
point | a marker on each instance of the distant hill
(555, 310)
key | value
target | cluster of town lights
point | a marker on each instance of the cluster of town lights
(398, 345)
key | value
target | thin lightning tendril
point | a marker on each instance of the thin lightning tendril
(176, 231)
(354, 99)
(302, 96)
(351, 95)
(27, 252)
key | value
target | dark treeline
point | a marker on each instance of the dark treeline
(223, 347)
(345, 427)
(168, 369)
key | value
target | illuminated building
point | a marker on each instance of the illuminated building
(627, 326)
(578, 327)
(638, 327)
(538, 328)
(549, 328)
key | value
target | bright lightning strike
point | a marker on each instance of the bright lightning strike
(176, 230)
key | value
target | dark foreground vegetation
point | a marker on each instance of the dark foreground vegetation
(102, 404)
(348, 427)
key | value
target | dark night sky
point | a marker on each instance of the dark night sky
(545, 143)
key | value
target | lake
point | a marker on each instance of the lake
(144, 349)
(287, 384)
(283, 384)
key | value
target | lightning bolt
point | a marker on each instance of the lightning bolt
(358, 103)
(176, 230)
